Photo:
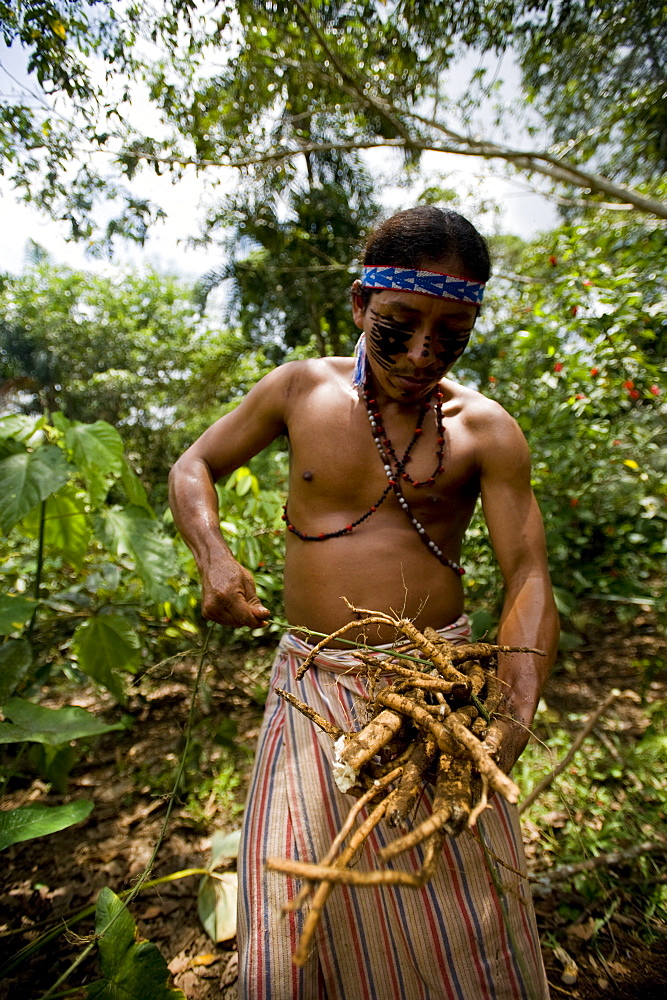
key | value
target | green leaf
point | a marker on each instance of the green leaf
(15, 662)
(216, 904)
(28, 822)
(134, 488)
(95, 446)
(103, 645)
(19, 426)
(67, 527)
(133, 970)
(52, 726)
(481, 622)
(28, 478)
(119, 938)
(97, 451)
(130, 532)
(15, 611)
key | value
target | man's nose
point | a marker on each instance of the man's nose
(421, 349)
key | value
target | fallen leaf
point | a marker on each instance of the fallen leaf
(203, 960)
(583, 932)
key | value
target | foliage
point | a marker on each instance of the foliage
(574, 356)
(292, 272)
(130, 348)
(253, 527)
(601, 97)
(218, 893)
(132, 970)
(259, 85)
(610, 798)
(97, 568)
(101, 576)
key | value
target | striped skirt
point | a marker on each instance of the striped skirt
(469, 934)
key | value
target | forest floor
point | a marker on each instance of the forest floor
(128, 774)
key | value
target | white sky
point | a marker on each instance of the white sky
(522, 211)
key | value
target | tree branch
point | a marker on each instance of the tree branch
(545, 880)
(588, 728)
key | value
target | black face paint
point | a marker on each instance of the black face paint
(427, 346)
(388, 338)
(450, 351)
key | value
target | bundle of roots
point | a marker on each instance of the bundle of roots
(429, 723)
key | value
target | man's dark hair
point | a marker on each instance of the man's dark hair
(417, 235)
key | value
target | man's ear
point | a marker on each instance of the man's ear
(358, 305)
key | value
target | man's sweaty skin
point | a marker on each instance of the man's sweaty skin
(336, 474)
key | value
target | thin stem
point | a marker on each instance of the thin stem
(40, 565)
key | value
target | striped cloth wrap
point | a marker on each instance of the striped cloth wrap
(457, 938)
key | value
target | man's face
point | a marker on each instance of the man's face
(412, 340)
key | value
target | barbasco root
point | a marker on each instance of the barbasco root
(428, 723)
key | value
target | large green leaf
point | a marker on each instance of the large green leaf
(119, 938)
(133, 970)
(52, 726)
(20, 426)
(130, 532)
(15, 610)
(28, 478)
(28, 822)
(15, 662)
(104, 645)
(97, 451)
(67, 527)
(97, 445)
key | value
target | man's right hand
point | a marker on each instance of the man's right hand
(229, 597)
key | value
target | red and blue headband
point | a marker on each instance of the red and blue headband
(433, 283)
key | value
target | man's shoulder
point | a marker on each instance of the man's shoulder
(474, 406)
(304, 376)
(495, 434)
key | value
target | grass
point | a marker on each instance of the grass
(610, 798)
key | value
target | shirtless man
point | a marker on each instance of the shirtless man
(387, 460)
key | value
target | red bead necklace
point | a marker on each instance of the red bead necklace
(388, 456)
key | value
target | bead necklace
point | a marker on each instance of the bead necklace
(388, 455)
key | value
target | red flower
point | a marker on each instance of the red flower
(594, 371)
(628, 385)
(587, 282)
(580, 395)
(553, 260)
(492, 378)
(655, 389)
(574, 310)
(574, 502)
(558, 367)
(633, 393)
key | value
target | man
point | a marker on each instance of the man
(387, 460)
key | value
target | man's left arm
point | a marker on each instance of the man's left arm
(529, 616)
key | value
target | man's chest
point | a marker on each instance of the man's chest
(337, 455)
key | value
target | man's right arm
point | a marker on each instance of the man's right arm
(228, 589)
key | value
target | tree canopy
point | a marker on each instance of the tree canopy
(261, 85)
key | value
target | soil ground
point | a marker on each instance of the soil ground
(128, 774)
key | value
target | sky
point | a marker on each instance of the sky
(522, 211)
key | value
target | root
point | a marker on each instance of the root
(443, 714)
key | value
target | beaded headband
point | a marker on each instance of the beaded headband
(433, 283)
